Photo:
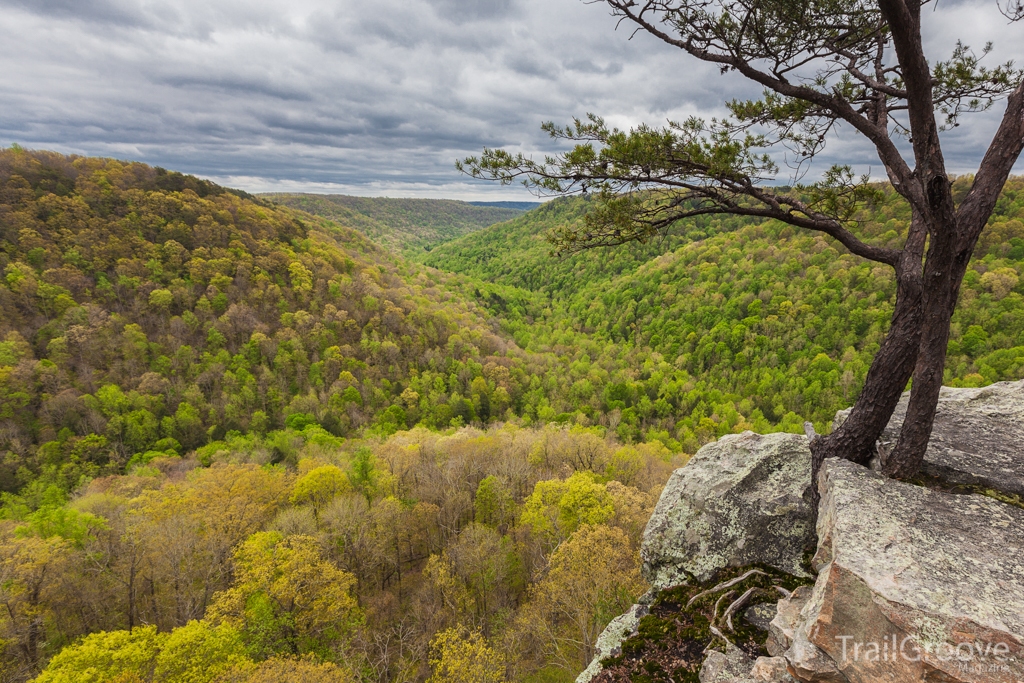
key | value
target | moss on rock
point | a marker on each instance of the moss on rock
(670, 643)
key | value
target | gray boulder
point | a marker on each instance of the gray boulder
(740, 500)
(913, 585)
(978, 438)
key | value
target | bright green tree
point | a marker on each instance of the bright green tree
(199, 653)
(557, 508)
(458, 656)
(320, 486)
(287, 598)
(102, 657)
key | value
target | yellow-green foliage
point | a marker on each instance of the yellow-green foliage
(199, 653)
(287, 598)
(457, 656)
(231, 566)
(195, 653)
(258, 434)
(320, 486)
(594, 577)
(102, 657)
(760, 325)
(147, 314)
(557, 508)
(288, 670)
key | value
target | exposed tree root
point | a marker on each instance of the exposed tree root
(739, 602)
(724, 585)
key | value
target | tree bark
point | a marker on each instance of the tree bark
(944, 273)
(890, 370)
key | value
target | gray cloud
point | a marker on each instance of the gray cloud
(365, 97)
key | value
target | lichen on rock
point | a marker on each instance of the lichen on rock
(976, 439)
(913, 584)
(742, 500)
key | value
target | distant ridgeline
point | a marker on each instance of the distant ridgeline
(410, 226)
(147, 312)
(521, 206)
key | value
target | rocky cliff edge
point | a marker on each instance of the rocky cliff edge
(918, 581)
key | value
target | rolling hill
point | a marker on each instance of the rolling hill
(239, 439)
(144, 311)
(409, 226)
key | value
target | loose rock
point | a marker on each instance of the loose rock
(771, 670)
(760, 616)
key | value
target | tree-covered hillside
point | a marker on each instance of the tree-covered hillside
(242, 443)
(517, 252)
(150, 312)
(410, 226)
(772, 322)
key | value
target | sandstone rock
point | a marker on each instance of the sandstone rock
(771, 670)
(741, 500)
(807, 661)
(913, 585)
(732, 666)
(783, 625)
(977, 438)
(609, 643)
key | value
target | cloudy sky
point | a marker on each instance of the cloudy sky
(369, 97)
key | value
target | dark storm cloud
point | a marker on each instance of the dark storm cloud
(364, 97)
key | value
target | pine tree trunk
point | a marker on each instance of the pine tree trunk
(944, 273)
(889, 373)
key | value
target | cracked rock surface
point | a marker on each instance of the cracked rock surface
(977, 440)
(913, 585)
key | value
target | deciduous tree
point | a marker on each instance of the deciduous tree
(593, 577)
(458, 656)
(287, 598)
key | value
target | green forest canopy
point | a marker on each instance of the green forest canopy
(199, 388)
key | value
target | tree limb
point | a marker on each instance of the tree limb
(1003, 152)
(887, 151)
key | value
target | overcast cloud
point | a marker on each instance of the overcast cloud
(364, 97)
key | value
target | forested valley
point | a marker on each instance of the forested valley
(244, 443)
(409, 226)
